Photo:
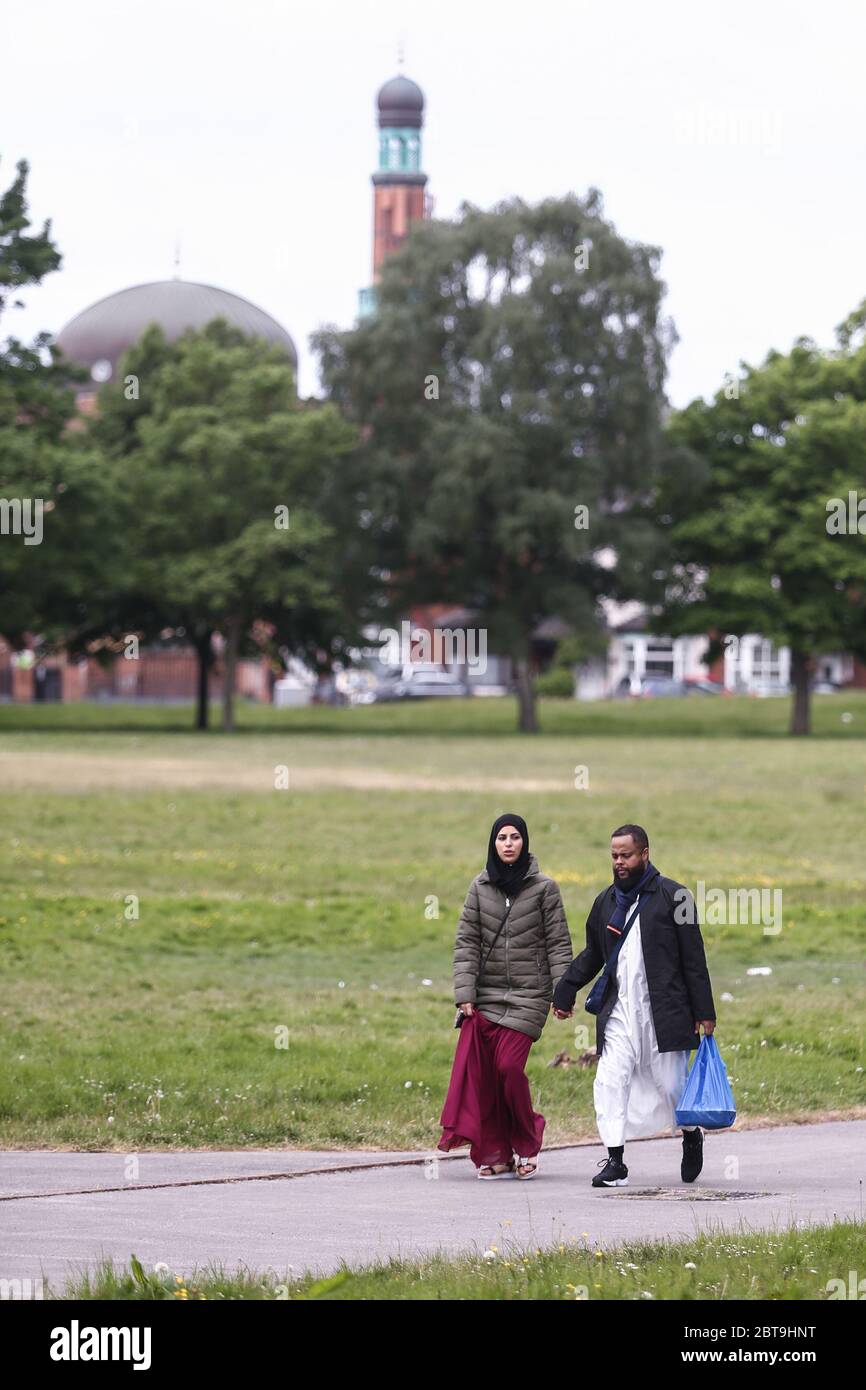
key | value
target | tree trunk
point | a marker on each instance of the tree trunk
(205, 661)
(232, 636)
(801, 712)
(528, 720)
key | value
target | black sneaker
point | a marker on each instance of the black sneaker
(613, 1173)
(693, 1154)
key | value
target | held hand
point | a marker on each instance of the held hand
(468, 1009)
(560, 1013)
(708, 1025)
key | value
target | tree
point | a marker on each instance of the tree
(63, 581)
(511, 375)
(24, 260)
(752, 537)
(222, 468)
(56, 543)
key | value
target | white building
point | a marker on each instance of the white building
(750, 665)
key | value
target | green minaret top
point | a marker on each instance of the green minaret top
(401, 115)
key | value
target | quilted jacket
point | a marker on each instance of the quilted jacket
(533, 951)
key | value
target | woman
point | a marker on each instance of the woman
(512, 946)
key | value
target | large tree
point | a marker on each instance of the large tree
(755, 538)
(511, 375)
(223, 471)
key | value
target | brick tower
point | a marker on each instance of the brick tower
(398, 183)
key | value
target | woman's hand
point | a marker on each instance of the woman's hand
(468, 1009)
(560, 1013)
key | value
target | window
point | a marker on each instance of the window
(766, 666)
(659, 657)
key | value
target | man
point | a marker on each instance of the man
(657, 999)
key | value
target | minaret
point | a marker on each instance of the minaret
(398, 183)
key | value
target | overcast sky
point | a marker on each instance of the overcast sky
(732, 135)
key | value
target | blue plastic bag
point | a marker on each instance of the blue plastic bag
(707, 1099)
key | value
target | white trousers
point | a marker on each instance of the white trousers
(637, 1088)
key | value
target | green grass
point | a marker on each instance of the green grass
(790, 1264)
(696, 716)
(303, 916)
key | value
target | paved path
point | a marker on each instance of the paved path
(308, 1210)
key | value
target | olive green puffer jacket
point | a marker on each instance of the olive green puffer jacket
(533, 951)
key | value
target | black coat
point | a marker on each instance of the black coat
(673, 952)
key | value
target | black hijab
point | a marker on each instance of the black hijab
(508, 877)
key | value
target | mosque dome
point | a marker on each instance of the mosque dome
(98, 337)
(400, 103)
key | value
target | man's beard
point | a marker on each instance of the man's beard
(635, 877)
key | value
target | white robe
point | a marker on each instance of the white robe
(637, 1088)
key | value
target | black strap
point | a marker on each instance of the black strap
(493, 943)
(599, 989)
(611, 960)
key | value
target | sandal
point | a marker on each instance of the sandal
(531, 1164)
(490, 1175)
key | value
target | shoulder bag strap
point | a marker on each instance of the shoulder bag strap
(493, 942)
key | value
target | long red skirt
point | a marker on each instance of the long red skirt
(489, 1105)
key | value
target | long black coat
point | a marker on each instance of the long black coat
(676, 967)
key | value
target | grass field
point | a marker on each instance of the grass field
(305, 915)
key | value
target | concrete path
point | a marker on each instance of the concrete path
(273, 1210)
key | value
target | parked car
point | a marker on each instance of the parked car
(652, 686)
(704, 687)
(421, 682)
(387, 687)
(648, 687)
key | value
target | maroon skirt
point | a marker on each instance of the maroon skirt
(489, 1105)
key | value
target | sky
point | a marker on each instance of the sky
(730, 135)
